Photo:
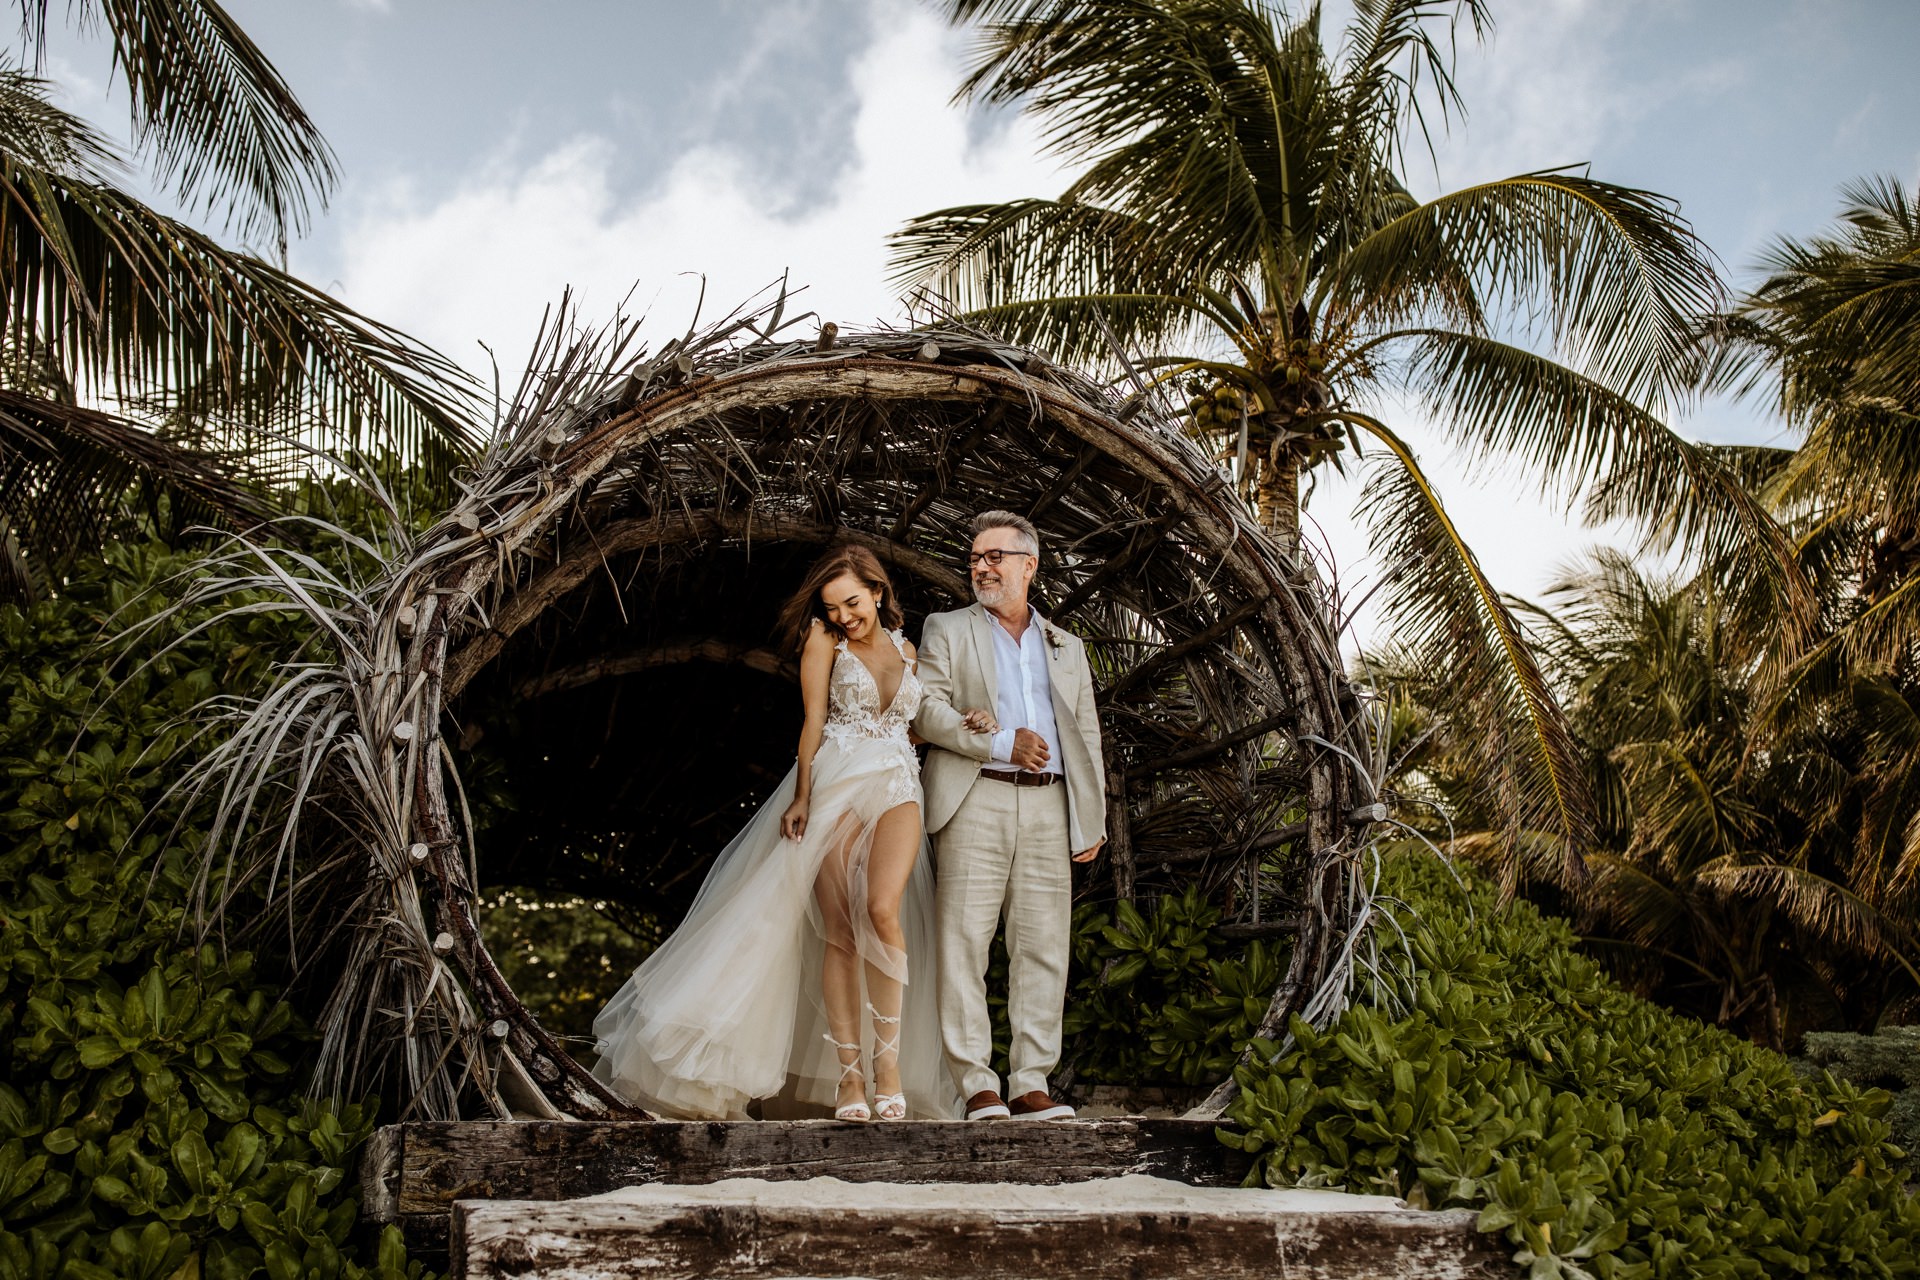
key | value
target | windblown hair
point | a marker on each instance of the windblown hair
(1008, 520)
(847, 559)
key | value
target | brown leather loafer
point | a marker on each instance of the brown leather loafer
(1038, 1106)
(986, 1105)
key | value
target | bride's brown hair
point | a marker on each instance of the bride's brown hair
(846, 560)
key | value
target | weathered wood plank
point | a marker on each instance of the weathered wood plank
(829, 1228)
(414, 1173)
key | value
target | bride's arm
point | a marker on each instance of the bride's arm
(816, 668)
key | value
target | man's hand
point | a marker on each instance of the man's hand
(1088, 855)
(1030, 750)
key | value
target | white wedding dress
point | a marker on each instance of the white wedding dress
(729, 1009)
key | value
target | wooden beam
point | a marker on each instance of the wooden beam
(612, 666)
(412, 1174)
(1144, 541)
(1131, 1228)
(1208, 750)
(1215, 633)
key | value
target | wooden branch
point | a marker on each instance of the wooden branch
(943, 474)
(1208, 750)
(1119, 834)
(611, 666)
(1144, 669)
(1064, 485)
(1144, 541)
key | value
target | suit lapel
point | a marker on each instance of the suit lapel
(1057, 661)
(980, 629)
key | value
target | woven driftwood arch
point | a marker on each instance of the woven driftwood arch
(1238, 756)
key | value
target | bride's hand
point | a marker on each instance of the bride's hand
(793, 823)
(979, 720)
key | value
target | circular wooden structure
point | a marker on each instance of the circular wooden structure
(643, 522)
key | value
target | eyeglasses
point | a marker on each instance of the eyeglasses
(992, 558)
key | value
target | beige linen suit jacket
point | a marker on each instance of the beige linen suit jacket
(958, 671)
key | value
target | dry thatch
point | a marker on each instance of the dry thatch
(637, 514)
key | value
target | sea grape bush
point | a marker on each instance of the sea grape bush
(151, 1121)
(1600, 1134)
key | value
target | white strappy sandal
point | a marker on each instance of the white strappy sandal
(887, 1106)
(854, 1111)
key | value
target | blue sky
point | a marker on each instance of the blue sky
(494, 153)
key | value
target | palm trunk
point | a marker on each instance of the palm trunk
(1278, 502)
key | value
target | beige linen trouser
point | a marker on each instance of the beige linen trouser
(1004, 851)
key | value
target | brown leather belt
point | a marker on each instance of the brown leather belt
(1022, 778)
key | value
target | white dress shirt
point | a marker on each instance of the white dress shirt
(1025, 694)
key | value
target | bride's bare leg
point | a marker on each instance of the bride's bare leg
(840, 970)
(896, 843)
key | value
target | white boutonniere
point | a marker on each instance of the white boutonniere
(1055, 641)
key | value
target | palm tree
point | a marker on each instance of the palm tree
(1832, 333)
(137, 346)
(1740, 869)
(1242, 215)
(1735, 847)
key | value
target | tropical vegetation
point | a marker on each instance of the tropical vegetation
(153, 1121)
(1600, 1135)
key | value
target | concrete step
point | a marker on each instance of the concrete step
(1134, 1226)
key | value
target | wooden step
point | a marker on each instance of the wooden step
(1134, 1226)
(413, 1173)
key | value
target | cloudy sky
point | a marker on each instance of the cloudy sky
(495, 152)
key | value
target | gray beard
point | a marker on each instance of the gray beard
(992, 597)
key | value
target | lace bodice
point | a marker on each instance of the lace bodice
(853, 697)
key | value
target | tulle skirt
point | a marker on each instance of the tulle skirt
(729, 1009)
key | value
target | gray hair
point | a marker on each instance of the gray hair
(1008, 520)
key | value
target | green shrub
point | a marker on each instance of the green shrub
(1600, 1134)
(151, 1125)
(1889, 1058)
(1158, 997)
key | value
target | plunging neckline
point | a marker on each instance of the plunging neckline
(846, 647)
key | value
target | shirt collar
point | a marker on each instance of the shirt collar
(1033, 620)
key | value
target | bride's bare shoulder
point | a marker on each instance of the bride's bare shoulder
(819, 639)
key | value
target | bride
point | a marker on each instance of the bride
(808, 917)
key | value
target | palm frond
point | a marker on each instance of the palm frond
(141, 307)
(1048, 273)
(69, 474)
(1815, 903)
(1443, 606)
(1578, 433)
(1616, 276)
(1390, 51)
(39, 133)
(220, 123)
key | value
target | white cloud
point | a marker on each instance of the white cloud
(481, 263)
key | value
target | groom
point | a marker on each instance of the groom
(1007, 810)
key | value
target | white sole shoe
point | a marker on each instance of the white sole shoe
(996, 1112)
(1061, 1112)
